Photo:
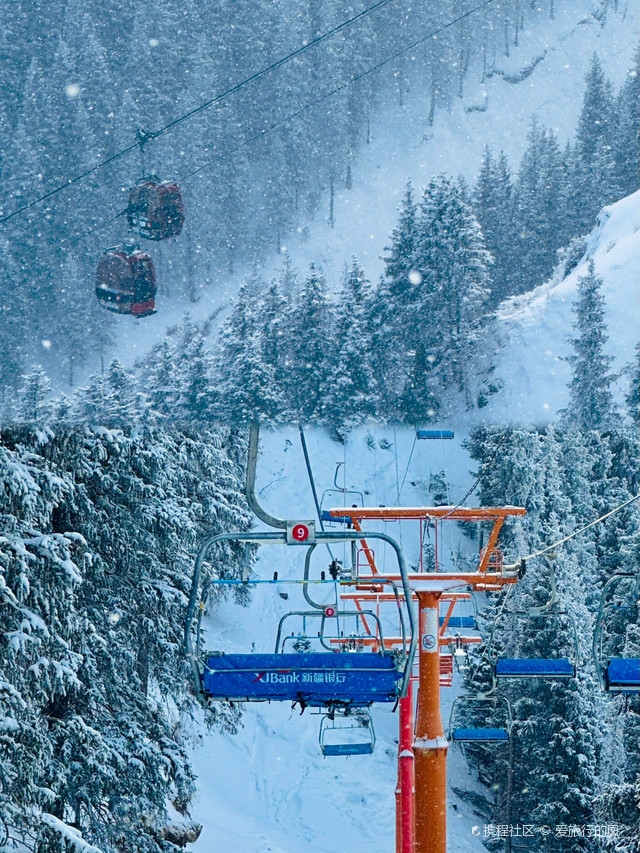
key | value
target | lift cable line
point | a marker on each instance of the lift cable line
(570, 536)
(474, 485)
(312, 482)
(335, 91)
(149, 135)
(406, 471)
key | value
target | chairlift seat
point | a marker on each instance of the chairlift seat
(479, 735)
(622, 675)
(434, 433)
(535, 668)
(460, 622)
(333, 749)
(320, 679)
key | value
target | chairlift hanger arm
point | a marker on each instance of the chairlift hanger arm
(599, 625)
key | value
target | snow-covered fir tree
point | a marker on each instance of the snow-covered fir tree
(309, 333)
(566, 733)
(493, 202)
(100, 529)
(454, 271)
(350, 386)
(590, 398)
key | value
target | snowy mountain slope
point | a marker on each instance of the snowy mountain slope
(268, 788)
(543, 76)
(534, 329)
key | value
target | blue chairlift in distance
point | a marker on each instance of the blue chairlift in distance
(560, 667)
(464, 724)
(347, 734)
(616, 674)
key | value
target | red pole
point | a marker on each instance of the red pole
(398, 815)
(405, 771)
(430, 746)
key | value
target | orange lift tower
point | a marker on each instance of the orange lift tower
(429, 588)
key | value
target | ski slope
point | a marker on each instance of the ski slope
(269, 788)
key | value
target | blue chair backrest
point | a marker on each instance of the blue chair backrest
(434, 433)
(338, 519)
(623, 675)
(347, 749)
(479, 735)
(535, 668)
(316, 678)
(459, 622)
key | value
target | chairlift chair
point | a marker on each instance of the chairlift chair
(325, 679)
(463, 726)
(615, 674)
(347, 734)
(549, 668)
(346, 497)
(466, 621)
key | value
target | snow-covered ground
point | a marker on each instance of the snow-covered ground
(404, 147)
(269, 788)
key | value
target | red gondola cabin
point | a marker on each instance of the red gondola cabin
(156, 209)
(126, 282)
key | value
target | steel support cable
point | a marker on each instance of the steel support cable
(272, 126)
(196, 110)
(477, 480)
(404, 479)
(542, 551)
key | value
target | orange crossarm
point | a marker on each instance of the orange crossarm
(477, 580)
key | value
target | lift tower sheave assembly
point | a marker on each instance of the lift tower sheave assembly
(428, 834)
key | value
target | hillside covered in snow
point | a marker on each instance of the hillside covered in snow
(534, 330)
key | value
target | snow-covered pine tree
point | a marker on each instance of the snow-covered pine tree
(402, 291)
(632, 397)
(593, 168)
(541, 223)
(196, 397)
(246, 380)
(34, 402)
(493, 200)
(272, 320)
(453, 264)
(419, 402)
(590, 398)
(309, 333)
(383, 352)
(626, 132)
(578, 768)
(100, 533)
(350, 387)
